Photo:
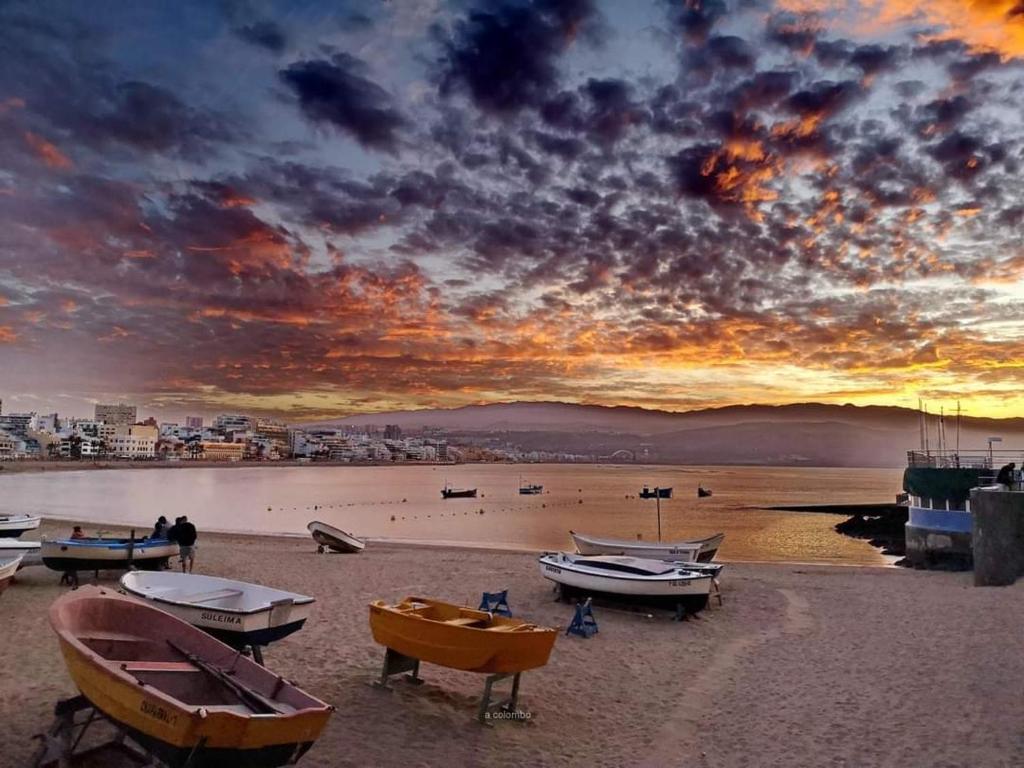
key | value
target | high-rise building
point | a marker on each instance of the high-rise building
(119, 415)
(392, 432)
(194, 422)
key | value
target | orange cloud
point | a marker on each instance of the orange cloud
(47, 152)
(7, 335)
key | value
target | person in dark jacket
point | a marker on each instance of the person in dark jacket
(160, 528)
(1005, 476)
(185, 534)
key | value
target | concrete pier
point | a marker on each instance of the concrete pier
(998, 536)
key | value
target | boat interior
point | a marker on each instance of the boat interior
(628, 565)
(460, 616)
(189, 679)
(210, 592)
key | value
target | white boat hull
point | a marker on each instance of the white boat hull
(700, 550)
(335, 538)
(12, 526)
(28, 551)
(94, 555)
(568, 575)
(275, 614)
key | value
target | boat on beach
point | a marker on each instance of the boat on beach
(696, 550)
(458, 493)
(12, 526)
(28, 551)
(98, 554)
(460, 637)
(182, 695)
(632, 577)
(655, 493)
(235, 612)
(334, 538)
(8, 566)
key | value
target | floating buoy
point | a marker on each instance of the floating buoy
(581, 501)
(270, 509)
(543, 506)
(392, 518)
(403, 501)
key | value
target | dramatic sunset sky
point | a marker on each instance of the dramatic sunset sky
(319, 208)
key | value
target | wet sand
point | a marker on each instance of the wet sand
(801, 666)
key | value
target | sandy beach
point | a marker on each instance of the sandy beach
(801, 666)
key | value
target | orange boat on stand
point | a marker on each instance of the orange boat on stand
(182, 695)
(460, 637)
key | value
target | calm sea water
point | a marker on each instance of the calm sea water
(404, 503)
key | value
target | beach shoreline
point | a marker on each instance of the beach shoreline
(858, 666)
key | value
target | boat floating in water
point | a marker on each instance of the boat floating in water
(655, 493)
(106, 554)
(235, 612)
(458, 493)
(334, 538)
(697, 550)
(8, 566)
(631, 577)
(28, 551)
(702, 492)
(530, 489)
(460, 637)
(185, 697)
(12, 526)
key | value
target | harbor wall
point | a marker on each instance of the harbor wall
(998, 536)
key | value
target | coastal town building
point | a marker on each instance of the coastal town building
(222, 451)
(194, 422)
(135, 442)
(118, 414)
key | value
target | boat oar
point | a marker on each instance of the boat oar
(252, 699)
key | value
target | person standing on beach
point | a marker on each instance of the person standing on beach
(161, 528)
(1005, 476)
(185, 534)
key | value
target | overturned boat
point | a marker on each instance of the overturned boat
(12, 526)
(183, 696)
(334, 538)
(100, 554)
(697, 550)
(629, 577)
(460, 637)
(235, 612)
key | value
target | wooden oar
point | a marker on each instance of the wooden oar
(253, 699)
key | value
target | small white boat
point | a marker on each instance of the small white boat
(28, 551)
(235, 612)
(8, 565)
(696, 550)
(12, 526)
(106, 554)
(625, 576)
(334, 538)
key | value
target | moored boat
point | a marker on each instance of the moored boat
(182, 695)
(626, 577)
(105, 554)
(27, 550)
(8, 566)
(460, 637)
(458, 493)
(702, 492)
(334, 538)
(12, 526)
(530, 489)
(697, 550)
(235, 612)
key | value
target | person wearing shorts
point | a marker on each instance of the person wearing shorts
(185, 534)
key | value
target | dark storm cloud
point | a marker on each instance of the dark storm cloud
(696, 18)
(263, 34)
(505, 55)
(337, 92)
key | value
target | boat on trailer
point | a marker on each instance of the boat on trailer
(27, 550)
(185, 697)
(12, 526)
(235, 612)
(630, 577)
(696, 550)
(8, 567)
(100, 554)
(334, 538)
(460, 637)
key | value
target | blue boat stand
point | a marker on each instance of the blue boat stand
(495, 602)
(583, 622)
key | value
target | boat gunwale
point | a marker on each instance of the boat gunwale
(514, 620)
(306, 599)
(678, 573)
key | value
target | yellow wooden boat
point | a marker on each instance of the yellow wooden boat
(184, 696)
(459, 637)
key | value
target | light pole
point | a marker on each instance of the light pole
(657, 499)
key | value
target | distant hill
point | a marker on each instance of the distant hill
(801, 433)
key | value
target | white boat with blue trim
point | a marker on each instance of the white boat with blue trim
(696, 550)
(624, 576)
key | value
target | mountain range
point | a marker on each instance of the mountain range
(815, 434)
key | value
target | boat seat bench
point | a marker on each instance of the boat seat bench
(205, 597)
(156, 666)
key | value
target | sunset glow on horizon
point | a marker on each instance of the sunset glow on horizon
(312, 209)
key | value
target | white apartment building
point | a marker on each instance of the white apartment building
(135, 442)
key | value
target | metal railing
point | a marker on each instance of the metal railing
(971, 459)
